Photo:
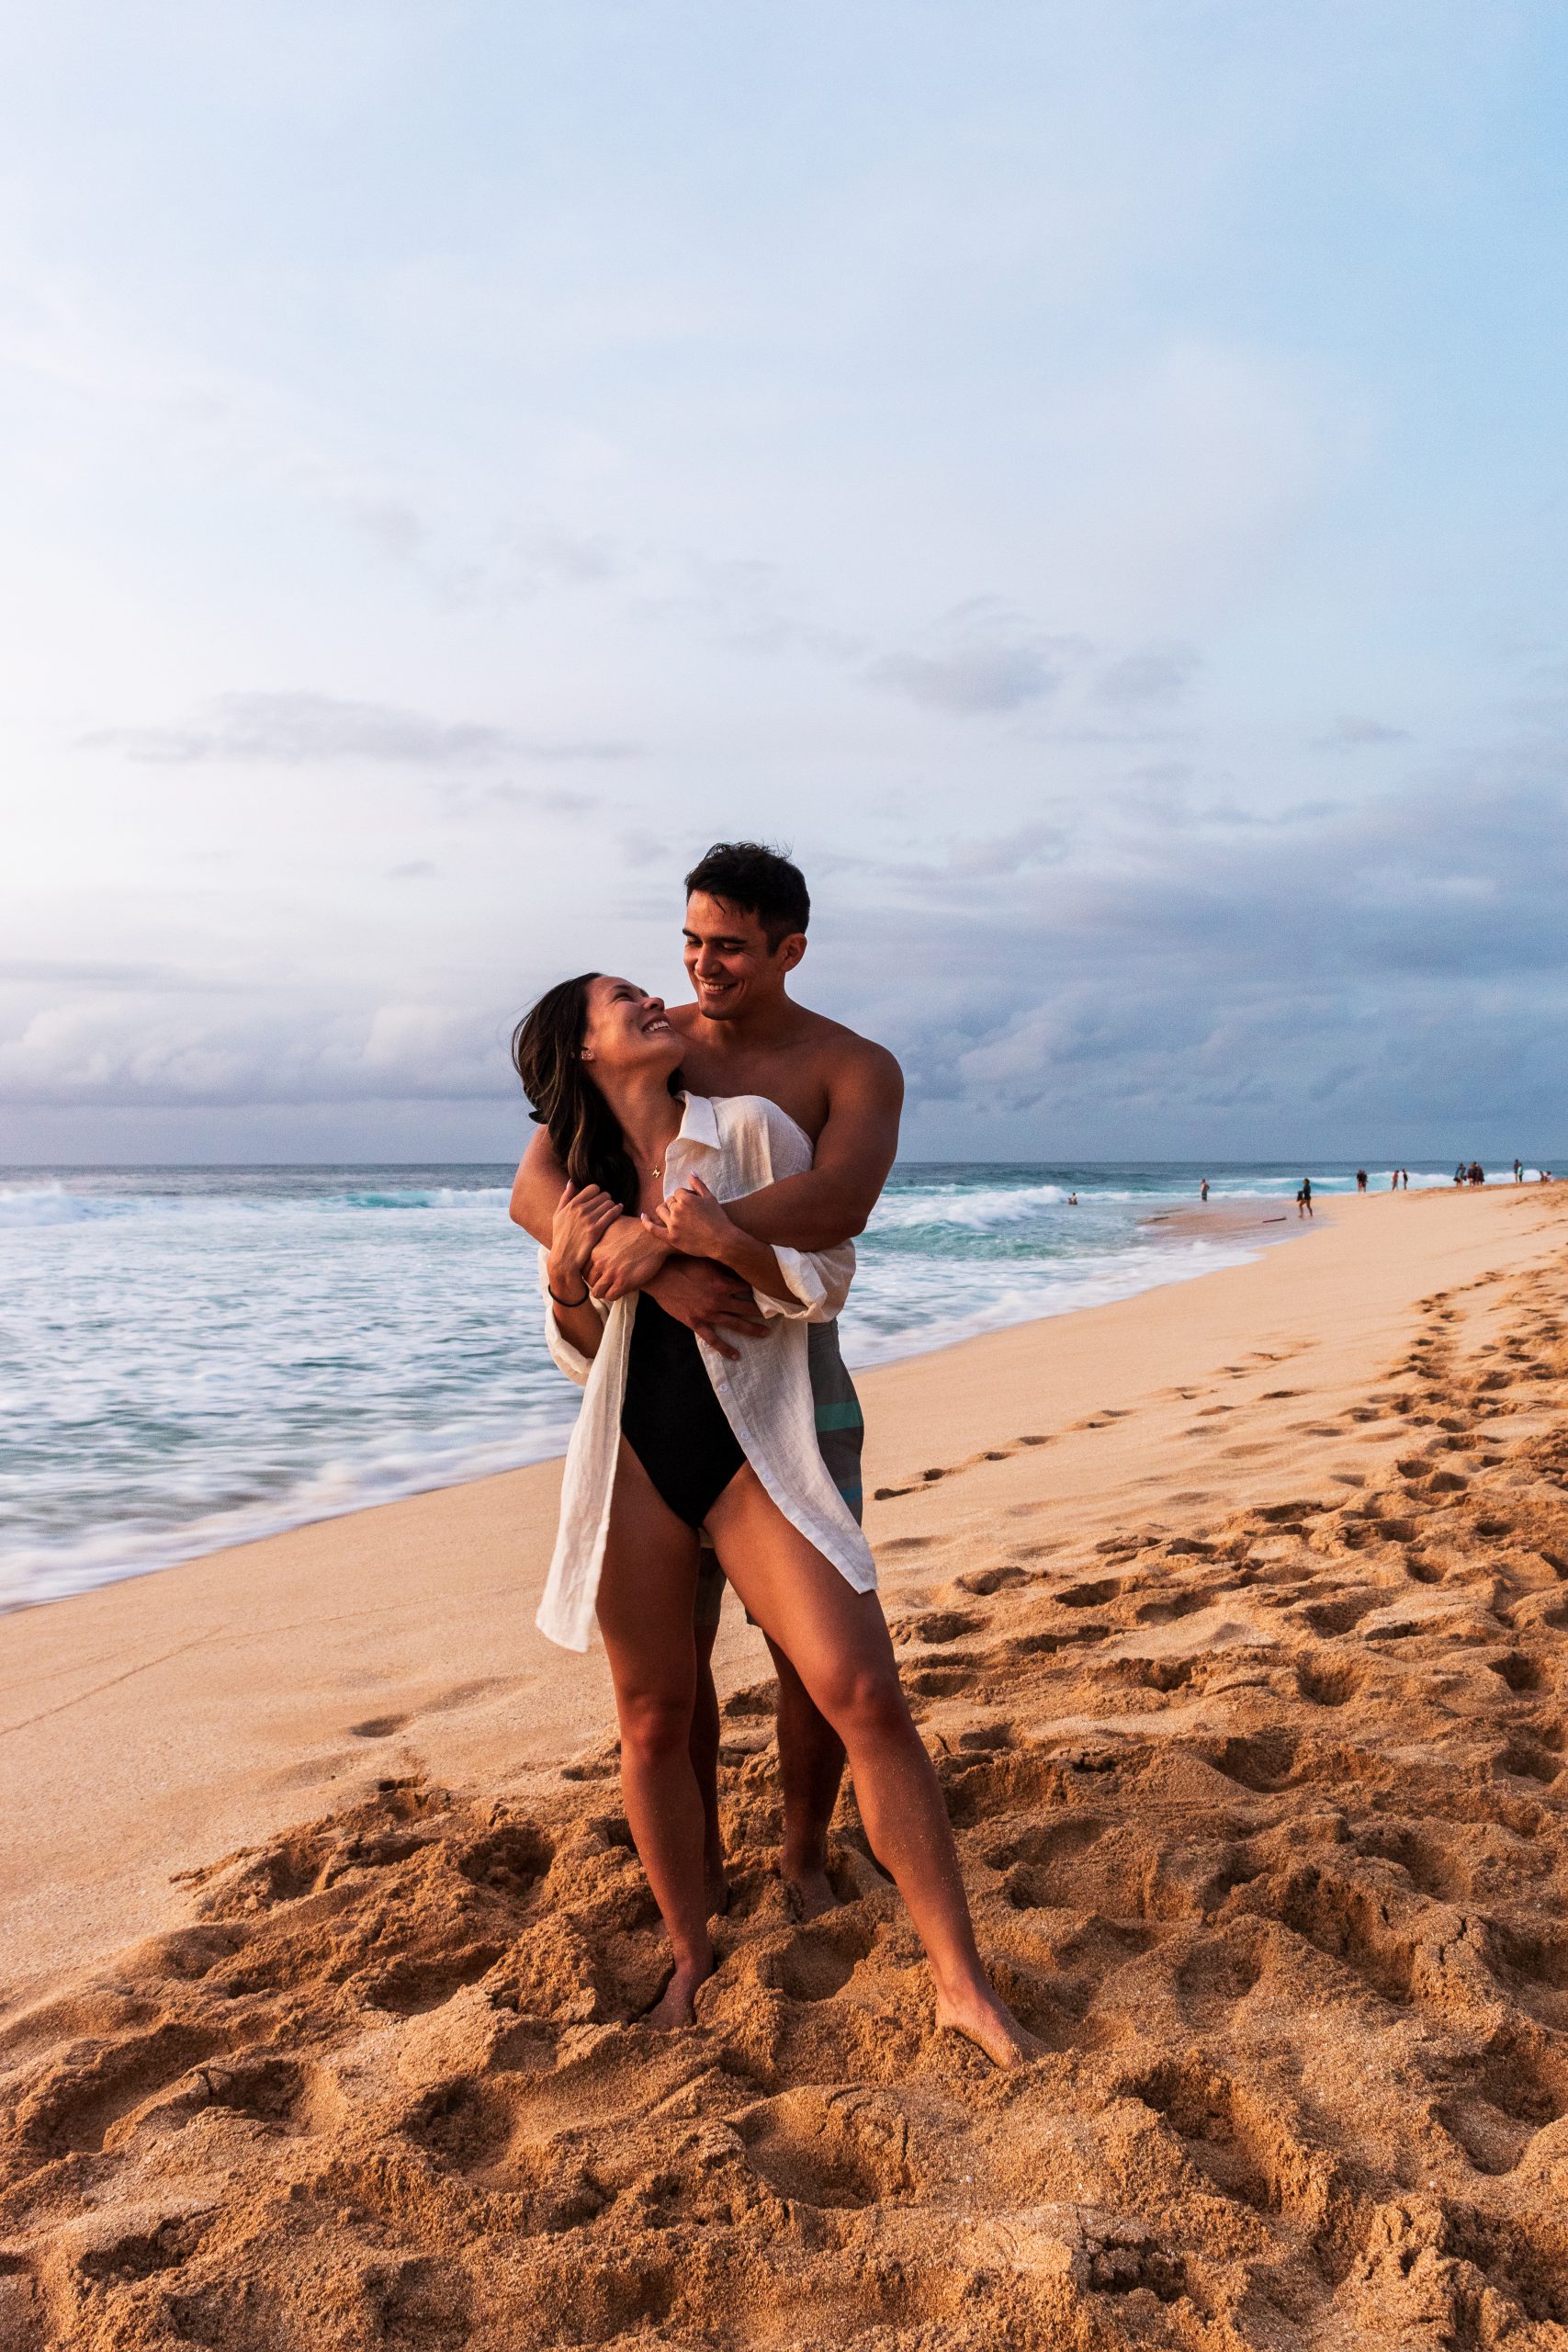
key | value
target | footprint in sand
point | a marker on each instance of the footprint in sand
(378, 1727)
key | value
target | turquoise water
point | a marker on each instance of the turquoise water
(191, 1357)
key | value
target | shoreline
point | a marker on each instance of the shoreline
(1224, 1223)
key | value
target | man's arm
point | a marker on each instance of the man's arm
(706, 1297)
(832, 1200)
(536, 1189)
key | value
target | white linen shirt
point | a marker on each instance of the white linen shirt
(735, 1143)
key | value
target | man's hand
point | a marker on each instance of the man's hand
(627, 1259)
(708, 1300)
(692, 1221)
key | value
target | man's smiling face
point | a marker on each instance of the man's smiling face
(732, 967)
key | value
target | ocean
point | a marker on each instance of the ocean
(194, 1357)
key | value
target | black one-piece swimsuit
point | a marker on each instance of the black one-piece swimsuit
(671, 1418)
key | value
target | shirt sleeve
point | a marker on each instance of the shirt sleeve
(818, 1279)
(566, 1358)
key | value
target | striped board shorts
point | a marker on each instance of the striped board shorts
(840, 1432)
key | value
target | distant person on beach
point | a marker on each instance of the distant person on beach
(677, 1439)
(1518, 1171)
(1304, 1198)
(1361, 1180)
(1203, 1189)
(1072, 1200)
(746, 917)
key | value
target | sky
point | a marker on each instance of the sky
(1088, 480)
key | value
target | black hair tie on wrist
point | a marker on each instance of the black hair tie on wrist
(569, 1302)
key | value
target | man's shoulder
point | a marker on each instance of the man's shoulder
(846, 1053)
(835, 1041)
(830, 1045)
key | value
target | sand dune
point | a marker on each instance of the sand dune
(1234, 1618)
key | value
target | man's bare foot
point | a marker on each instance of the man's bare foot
(981, 2019)
(676, 2005)
(810, 1891)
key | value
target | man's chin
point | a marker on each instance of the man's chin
(726, 1008)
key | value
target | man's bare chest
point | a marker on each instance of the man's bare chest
(794, 1080)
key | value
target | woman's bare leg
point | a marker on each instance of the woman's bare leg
(646, 1591)
(839, 1641)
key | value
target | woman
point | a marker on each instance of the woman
(674, 1438)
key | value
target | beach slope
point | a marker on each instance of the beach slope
(1232, 1616)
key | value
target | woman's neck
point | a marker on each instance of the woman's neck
(648, 1114)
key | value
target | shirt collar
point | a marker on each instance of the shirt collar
(699, 1124)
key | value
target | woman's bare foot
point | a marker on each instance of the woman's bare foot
(987, 2022)
(676, 2005)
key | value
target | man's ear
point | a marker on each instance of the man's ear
(791, 950)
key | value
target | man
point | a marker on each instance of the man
(747, 912)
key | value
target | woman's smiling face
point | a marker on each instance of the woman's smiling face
(626, 1029)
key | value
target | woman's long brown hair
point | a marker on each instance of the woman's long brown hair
(547, 1052)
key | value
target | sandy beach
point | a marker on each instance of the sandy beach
(1232, 1614)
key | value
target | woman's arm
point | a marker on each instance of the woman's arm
(579, 1219)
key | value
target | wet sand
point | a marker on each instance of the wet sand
(1233, 1615)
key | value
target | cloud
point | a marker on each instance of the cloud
(283, 1051)
(493, 567)
(984, 658)
(1015, 853)
(1373, 969)
(1382, 974)
(296, 729)
(980, 661)
(1351, 734)
(1153, 677)
(85, 973)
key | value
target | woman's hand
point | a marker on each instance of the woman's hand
(579, 1219)
(693, 1222)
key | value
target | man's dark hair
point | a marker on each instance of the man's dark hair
(757, 881)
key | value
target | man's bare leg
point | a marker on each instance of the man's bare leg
(811, 1765)
(704, 1750)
